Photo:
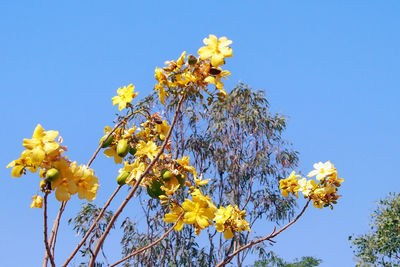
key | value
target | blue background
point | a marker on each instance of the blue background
(332, 66)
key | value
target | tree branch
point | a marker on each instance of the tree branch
(108, 201)
(270, 236)
(135, 187)
(137, 251)
(53, 234)
(46, 244)
(92, 227)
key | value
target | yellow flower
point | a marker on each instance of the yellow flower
(221, 216)
(20, 164)
(125, 95)
(172, 217)
(185, 164)
(229, 220)
(41, 144)
(112, 152)
(162, 128)
(322, 170)
(289, 185)
(160, 76)
(200, 182)
(135, 169)
(216, 49)
(37, 202)
(161, 93)
(216, 79)
(64, 185)
(181, 60)
(86, 183)
(199, 211)
(148, 149)
(306, 186)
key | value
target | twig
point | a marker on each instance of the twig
(46, 244)
(53, 234)
(108, 201)
(109, 134)
(54, 231)
(92, 227)
(135, 187)
(137, 251)
(270, 236)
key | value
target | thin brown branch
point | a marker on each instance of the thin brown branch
(138, 251)
(53, 234)
(108, 201)
(92, 227)
(54, 231)
(46, 244)
(270, 236)
(104, 139)
(135, 187)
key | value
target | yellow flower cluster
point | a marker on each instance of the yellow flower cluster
(59, 174)
(143, 144)
(201, 212)
(231, 219)
(191, 74)
(323, 193)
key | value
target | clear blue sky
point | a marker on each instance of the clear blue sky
(332, 66)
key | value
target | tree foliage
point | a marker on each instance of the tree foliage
(239, 144)
(381, 245)
(276, 261)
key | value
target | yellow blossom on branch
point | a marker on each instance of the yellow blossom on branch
(216, 49)
(199, 211)
(173, 216)
(112, 152)
(148, 149)
(125, 95)
(216, 79)
(229, 220)
(19, 165)
(37, 202)
(322, 170)
(86, 183)
(41, 144)
(185, 164)
(290, 185)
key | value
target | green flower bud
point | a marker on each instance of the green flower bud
(52, 174)
(166, 175)
(154, 189)
(180, 179)
(108, 141)
(122, 148)
(121, 178)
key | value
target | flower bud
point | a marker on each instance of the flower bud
(108, 141)
(214, 71)
(122, 148)
(52, 174)
(166, 175)
(192, 59)
(162, 137)
(180, 179)
(132, 150)
(121, 178)
(154, 189)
